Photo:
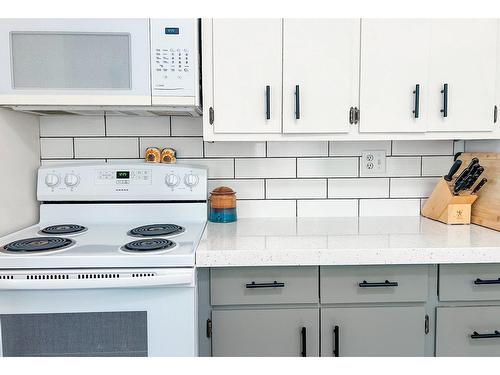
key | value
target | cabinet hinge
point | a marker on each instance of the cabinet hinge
(353, 115)
(495, 115)
(209, 328)
(211, 116)
(426, 324)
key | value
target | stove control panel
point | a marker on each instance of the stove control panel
(134, 182)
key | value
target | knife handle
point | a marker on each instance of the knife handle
(474, 175)
(466, 171)
(454, 168)
(480, 185)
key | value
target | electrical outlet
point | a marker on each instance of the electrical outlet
(373, 162)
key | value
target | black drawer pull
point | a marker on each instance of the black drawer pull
(416, 107)
(268, 102)
(386, 283)
(476, 335)
(479, 281)
(303, 336)
(444, 91)
(336, 347)
(274, 284)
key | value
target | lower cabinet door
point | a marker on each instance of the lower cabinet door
(265, 333)
(373, 331)
(468, 331)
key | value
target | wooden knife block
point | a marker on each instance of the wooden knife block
(443, 206)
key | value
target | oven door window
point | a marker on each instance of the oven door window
(73, 61)
(110, 334)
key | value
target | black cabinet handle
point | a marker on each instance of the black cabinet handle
(486, 282)
(386, 283)
(336, 348)
(274, 284)
(303, 337)
(494, 335)
(297, 102)
(416, 107)
(268, 102)
(444, 91)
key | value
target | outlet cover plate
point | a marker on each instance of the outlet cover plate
(373, 162)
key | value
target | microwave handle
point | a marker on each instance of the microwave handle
(185, 278)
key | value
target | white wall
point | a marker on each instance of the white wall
(19, 160)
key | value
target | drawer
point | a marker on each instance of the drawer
(263, 285)
(358, 284)
(469, 282)
(468, 331)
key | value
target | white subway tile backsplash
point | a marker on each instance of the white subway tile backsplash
(436, 165)
(137, 126)
(71, 126)
(217, 168)
(56, 148)
(389, 207)
(108, 147)
(301, 148)
(72, 161)
(295, 188)
(271, 179)
(327, 208)
(185, 147)
(398, 167)
(358, 188)
(422, 147)
(245, 189)
(327, 167)
(350, 148)
(266, 208)
(265, 168)
(183, 126)
(412, 187)
(492, 145)
(235, 149)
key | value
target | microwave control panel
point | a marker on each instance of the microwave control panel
(174, 56)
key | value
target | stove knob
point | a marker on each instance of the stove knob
(71, 180)
(172, 180)
(52, 180)
(191, 180)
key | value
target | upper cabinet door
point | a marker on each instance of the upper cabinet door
(247, 75)
(462, 74)
(394, 75)
(320, 74)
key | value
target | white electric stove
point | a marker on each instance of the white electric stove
(110, 262)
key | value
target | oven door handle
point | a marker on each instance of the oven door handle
(172, 278)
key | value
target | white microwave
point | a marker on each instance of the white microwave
(105, 63)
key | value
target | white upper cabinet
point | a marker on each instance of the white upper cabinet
(320, 74)
(247, 75)
(462, 74)
(394, 75)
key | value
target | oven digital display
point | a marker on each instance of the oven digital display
(122, 174)
(172, 30)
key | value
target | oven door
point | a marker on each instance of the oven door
(144, 312)
(74, 62)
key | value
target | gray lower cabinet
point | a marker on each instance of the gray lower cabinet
(265, 332)
(373, 331)
(468, 331)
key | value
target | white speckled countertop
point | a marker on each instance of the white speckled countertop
(345, 241)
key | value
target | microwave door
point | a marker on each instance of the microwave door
(75, 62)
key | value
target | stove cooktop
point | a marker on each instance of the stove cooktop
(102, 245)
